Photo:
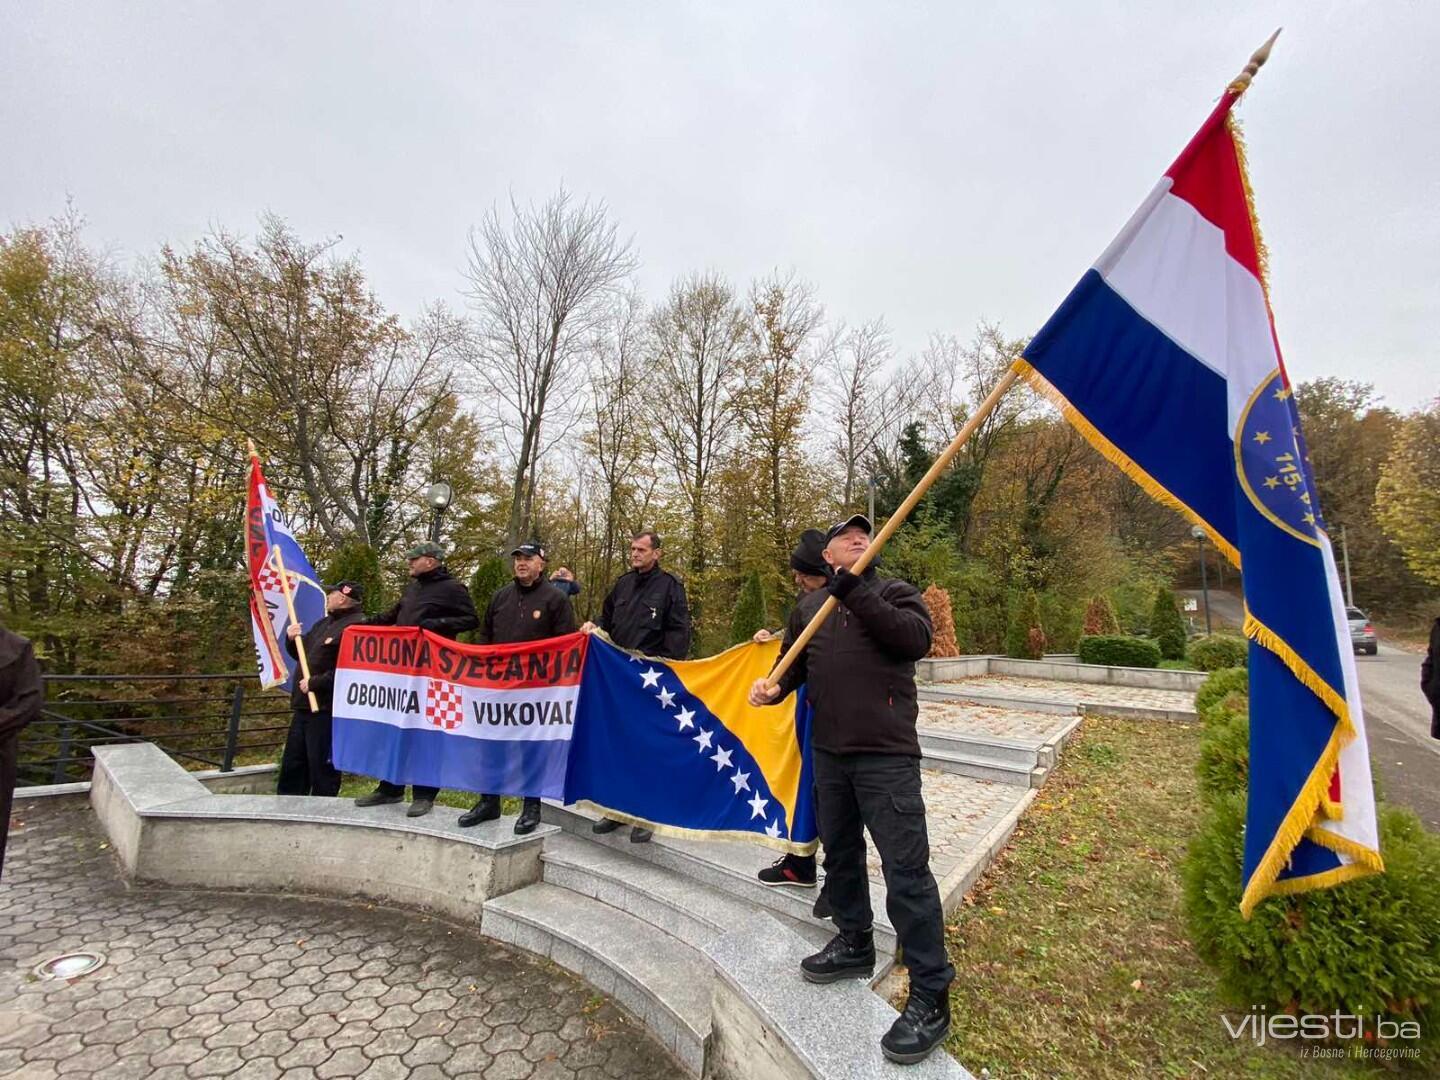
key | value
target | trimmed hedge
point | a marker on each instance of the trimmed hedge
(1220, 684)
(1118, 650)
(1211, 652)
(1306, 954)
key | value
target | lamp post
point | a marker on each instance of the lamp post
(873, 481)
(438, 496)
(1199, 534)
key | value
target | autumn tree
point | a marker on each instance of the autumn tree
(1408, 495)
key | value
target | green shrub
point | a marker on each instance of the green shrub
(1025, 638)
(1119, 650)
(355, 560)
(1215, 651)
(1224, 766)
(1175, 665)
(1217, 686)
(1369, 947)
(1166, 625)
(490, 577)
(749, 611)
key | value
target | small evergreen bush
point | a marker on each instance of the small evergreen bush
(1099, 618)
(749, 610)
(1217, 686)
(1215, 651)
(1224, 766)
(1166, 625)
(1025, 638)
(1119, 650)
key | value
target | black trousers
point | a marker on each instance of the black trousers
(881, 792)
(9, 762)
(305, 767)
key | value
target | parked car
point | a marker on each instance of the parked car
(1362, 634)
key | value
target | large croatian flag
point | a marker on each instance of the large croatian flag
(412, 707)
(270, 545)
(1165, 357)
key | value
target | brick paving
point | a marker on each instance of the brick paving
(966, 719)
(1074, 693)
(201, 984)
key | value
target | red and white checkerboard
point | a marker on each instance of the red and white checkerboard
(269, 579)
(444, 706)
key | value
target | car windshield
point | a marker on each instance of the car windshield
(1354, 613)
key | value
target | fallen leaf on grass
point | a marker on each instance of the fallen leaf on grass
(1136, 985)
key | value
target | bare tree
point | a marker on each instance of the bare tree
(865, 401)
(538, 286)
(697, 341)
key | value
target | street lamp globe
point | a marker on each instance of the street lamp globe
(439, 495)
(1197, 532)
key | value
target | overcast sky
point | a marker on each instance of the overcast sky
(935, 164)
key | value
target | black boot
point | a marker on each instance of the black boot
(487, 809)
(529, 817)
(605, 825)
(919, 1029)
(847, 956)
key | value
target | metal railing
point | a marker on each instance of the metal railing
(203, 721)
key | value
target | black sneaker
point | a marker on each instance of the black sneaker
(919, 1029)
(822, 909)
(529, 817)
(420, 807)
(641, 836)
(847, 956)
(378, 798)
(795, 870)
(487, 809)
(605, 825)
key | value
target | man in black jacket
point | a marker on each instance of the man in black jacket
(528, 609)
(859, 670)
(305, 767)
(1430, 679)
(646, 612)
(435, 601)
(22, 695)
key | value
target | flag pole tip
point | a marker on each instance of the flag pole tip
(1242, 81)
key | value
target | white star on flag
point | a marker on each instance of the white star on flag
(703, 739)
(650, 677)
(686, 717)
(666, 697)
(773, 830)
(721, 759)
(757, 806)
(741, 780)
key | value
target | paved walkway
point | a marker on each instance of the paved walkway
(964, 718)
(1055, 690)
(959, 810)
(201, 984)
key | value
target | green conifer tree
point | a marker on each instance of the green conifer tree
(749, 611)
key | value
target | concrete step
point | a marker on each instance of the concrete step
(996, 699)
(727, 867)
(662, 981)
(1001, 772)
(984, 747)
(678, 905)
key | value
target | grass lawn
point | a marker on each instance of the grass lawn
(1071, 956)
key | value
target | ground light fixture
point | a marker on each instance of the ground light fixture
(71, 965)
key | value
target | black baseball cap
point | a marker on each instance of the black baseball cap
(806, 557)
(353, 589)
(859, 520)
(530, 547)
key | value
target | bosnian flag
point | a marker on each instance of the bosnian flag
(269, 545)
(413, 707)
(1165, 358)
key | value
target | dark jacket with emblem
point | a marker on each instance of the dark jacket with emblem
(859, 668)
(648, 613)
(526, 613)
(434, 601)
(1430, 679)
(322, 653)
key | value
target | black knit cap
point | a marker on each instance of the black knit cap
(806, 557)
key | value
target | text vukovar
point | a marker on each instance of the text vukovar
(419, 656)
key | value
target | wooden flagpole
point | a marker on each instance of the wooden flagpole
(897, 519)
(279, 567)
